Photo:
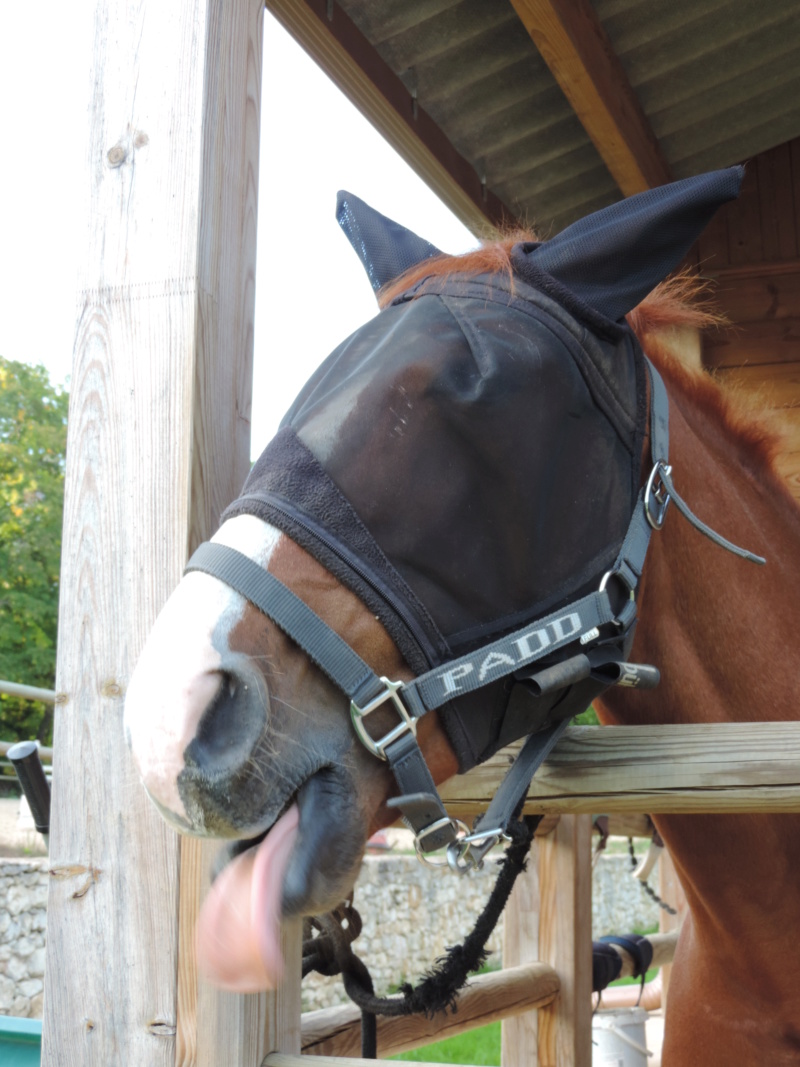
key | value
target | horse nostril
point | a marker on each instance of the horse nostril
(231, 725)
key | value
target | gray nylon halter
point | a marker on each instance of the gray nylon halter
(580, 621)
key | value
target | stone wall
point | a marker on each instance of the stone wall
(411, 914)
(23, 900)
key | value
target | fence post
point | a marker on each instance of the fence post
(520, 1034)
(565, 941)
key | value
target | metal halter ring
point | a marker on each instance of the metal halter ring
(656, 495)
(460, 828)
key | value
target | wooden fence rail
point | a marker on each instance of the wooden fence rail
(703, 767)
(485, 999)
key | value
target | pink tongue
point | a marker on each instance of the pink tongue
(238, 932)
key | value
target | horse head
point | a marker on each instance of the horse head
(464, 466)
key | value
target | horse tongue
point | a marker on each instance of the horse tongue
(238, 932)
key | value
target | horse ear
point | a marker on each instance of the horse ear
(385, 248)
(612, 259)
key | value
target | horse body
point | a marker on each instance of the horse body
(237, 735)
(711, 623)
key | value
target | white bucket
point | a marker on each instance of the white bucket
(618, 1038)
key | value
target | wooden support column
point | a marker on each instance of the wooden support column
(158, 443)
(520, 1034)
(565, 941)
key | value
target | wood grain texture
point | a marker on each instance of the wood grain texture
(766, 341)
(520, 1034)
(762, 227)
(158, 438)
(705, 767)
(576, 48)
(485, 999)
(777, 384)
(565, 941)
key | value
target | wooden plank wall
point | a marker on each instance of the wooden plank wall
(751, 251)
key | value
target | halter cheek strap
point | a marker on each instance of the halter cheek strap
(584, 625)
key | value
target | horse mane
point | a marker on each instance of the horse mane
(679, 302)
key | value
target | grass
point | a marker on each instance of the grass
(480, 1046)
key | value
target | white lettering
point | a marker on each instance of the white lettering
(494, 659)
(523, 643)
(559, 626)
(629, 679)
(450, 677)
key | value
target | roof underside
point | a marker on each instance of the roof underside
(718, 82)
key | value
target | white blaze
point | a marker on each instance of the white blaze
(177, 675)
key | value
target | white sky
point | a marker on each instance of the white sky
(313, 143)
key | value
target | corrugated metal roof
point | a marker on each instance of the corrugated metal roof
(719, 81)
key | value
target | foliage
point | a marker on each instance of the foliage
(33, 436)
(586, 718)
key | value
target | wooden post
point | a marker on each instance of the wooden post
(520, 1034)
(565, 941)
(158, 443)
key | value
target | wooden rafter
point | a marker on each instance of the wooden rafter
(577, 49)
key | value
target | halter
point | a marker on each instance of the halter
(594, 632)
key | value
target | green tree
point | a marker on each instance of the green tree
(33, 437)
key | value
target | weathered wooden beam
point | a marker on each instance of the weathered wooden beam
(519, 1041)
(336, 44)
(158, 442)
(577, 49)
(704, 767)
(565, 941)
(485, 999)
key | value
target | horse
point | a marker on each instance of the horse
(423, 504)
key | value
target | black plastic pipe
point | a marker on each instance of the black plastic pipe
(25, 757)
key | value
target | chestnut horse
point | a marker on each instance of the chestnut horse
(237, 734)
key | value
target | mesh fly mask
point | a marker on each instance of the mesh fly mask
(468, 463)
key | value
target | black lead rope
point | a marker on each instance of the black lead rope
(438, 990)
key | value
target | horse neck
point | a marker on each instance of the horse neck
(720, 629)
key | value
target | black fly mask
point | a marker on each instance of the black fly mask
(469, 464)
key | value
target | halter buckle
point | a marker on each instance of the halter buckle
(407, 723)
(656, 495)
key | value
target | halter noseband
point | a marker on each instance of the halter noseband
(598, 631)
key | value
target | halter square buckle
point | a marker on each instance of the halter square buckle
(407, 723)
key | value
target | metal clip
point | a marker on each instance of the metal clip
(459, 828)
(357, 714)
(467, 854)
(656, 495)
